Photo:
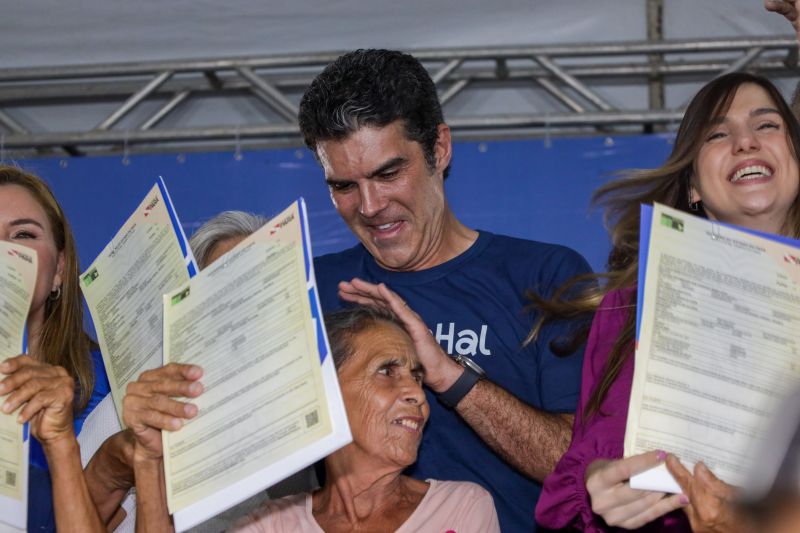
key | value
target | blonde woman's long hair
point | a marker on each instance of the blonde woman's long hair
(62, 340)
(621, 200)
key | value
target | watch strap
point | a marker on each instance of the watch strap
(460, 388)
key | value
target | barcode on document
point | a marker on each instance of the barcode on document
(11, 478)
(312, 418)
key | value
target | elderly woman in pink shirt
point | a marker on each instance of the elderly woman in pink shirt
(365, 490)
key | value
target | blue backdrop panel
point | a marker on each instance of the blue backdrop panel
(533, 189)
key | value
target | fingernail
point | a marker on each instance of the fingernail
(6, 407)
(4, 366)
(175, 423)
(195, 388)
(661, 455)
(190, 410)
(196, 371)
(684, 499)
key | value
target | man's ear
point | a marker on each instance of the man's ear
(443, 150)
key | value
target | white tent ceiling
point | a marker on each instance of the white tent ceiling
(58, 32)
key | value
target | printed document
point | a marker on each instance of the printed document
(271, 403)
(17, 284)
(123, 287)
(718, 344)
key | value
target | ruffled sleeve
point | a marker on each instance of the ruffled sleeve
(564, 501)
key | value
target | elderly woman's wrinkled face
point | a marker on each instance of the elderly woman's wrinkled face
(382, 388)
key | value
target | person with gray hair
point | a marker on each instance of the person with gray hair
(380, 376)
(222, 233)
(213, 239)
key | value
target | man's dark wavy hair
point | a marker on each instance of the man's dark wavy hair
(372, 88)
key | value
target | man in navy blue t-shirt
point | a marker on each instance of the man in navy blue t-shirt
(374, 121)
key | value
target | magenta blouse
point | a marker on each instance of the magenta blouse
(564, 502)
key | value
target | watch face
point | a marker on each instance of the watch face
(472, 365)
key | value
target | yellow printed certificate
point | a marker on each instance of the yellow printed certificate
(718, 347)
(17, 283)
(271, 403)
(123, 288)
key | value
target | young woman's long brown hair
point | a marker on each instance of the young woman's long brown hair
(62, 340)
(670, 185)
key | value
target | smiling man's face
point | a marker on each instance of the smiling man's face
(384, 189)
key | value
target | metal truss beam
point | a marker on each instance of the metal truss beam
(146, 98)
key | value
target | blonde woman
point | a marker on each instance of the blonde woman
(61, 378)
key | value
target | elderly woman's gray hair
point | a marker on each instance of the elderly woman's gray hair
(343, 325)
(226, 225)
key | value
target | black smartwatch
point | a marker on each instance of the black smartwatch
(471, 375)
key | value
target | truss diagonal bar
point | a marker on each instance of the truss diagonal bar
(134, 100)
(744, 61)
(451, 91)
(12, 125)
(166, 109)
(573, 82)
(563, 97)
(749, 56)
(269, 94)
(445, 71)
